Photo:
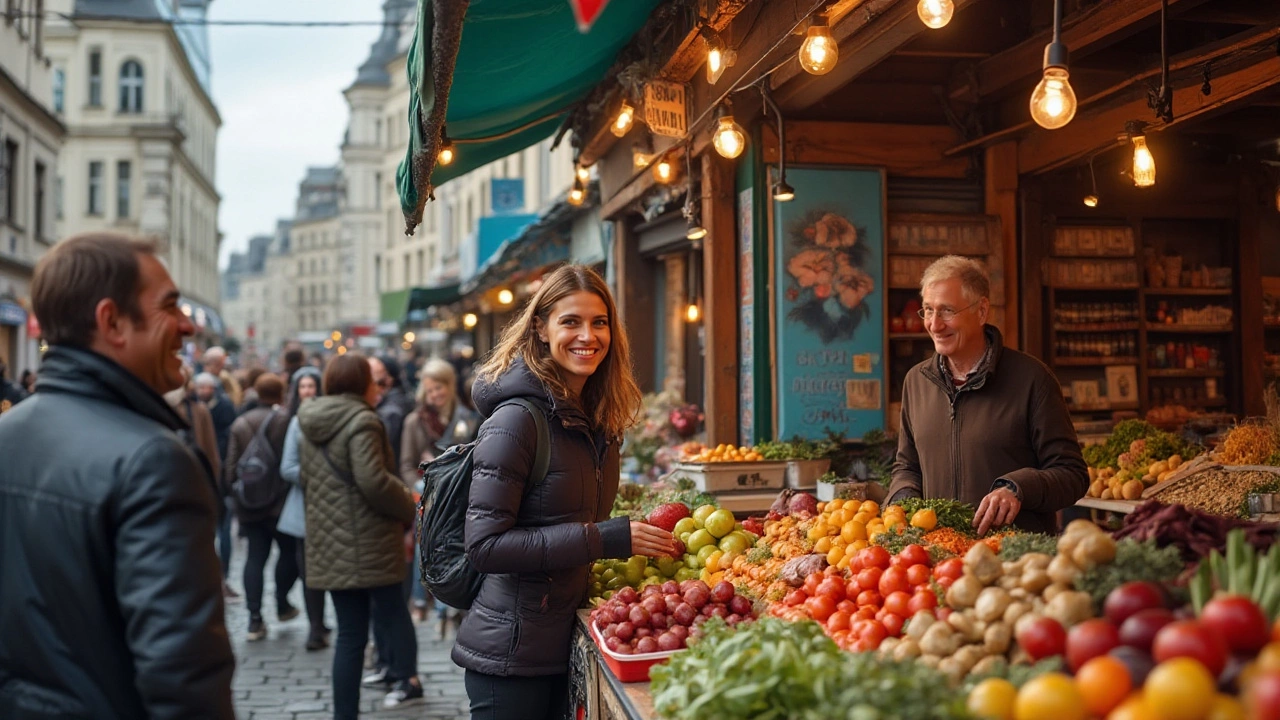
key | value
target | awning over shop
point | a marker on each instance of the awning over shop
(544, 242)
(205, 317)
(393, 305)
(491, 234)
(507, 71)
(422, 299)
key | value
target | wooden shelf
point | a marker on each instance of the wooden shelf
(1222, 292)
(900, 286)
(1181, 328)
(909, 336)
(1205, 403)
(1102, 407)
(1094, 361)
(1091, 257)
(1271, 324)
(1183, 373)
(1125, 286)
(1116, 506)
(1095, 327)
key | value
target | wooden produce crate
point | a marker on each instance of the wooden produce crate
(804, 474)
(732, 477)
(1228, 485)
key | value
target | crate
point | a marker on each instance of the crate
(730, 477)
(629, 668)
(804, 474)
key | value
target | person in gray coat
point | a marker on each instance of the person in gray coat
(305, 385)
(567, 354)
(112, 600)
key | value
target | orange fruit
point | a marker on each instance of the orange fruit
(1052, 695)
(1180, 689)
(1104, 682)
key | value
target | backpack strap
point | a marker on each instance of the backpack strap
(343, 475)
(542, 454)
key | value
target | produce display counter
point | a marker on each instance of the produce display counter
(1116, 506)
(598, 691)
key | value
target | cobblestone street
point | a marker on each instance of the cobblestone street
(277, 679)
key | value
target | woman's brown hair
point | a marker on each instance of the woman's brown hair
(348, 374)
(610, 398)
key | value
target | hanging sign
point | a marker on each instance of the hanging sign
(666, 108)
(586, 12)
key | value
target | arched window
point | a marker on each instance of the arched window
(131, 87)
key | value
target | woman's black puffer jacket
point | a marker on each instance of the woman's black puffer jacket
(535, 544)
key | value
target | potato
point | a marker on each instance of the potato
(995, 641)
(1033, 581)
(1014, 613)
(988, 665)
(963, 624)
(939, 640)
(968, 656)
(887, 645)
(1070, 607)
(919, 623)
(952, 669)
(1007, 582)
(1097, 549)
(1132, 490)
(906, 650)
(963, 593)
(982, 563)
(1036, 561)
(1054, 591)
(991, 604)
(1062, 570)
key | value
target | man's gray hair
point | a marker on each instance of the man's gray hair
(206, 379)
(215, 352)
(973, 276)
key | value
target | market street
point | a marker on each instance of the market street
(276, 679)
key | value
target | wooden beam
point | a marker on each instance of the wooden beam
(1048, 149)
(1084, 32)
(906, 150)
(720, 299)
(1002, 202)
(1254, 218)
(1032, 289)
(635, 299)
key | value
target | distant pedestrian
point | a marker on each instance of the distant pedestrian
(257, 492)
(293, 520)
(111, 602)
(209, 391)
(28, 382)
(394, 404)
(10, 392)
(215, 363)
(294, 359)
(248, 377)
(199, 437)
(357, 509)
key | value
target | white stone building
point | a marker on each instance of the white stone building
(139, 157)
(31, 136)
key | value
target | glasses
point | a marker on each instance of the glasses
(946, 314)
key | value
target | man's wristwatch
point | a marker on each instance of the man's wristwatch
(1009, 485)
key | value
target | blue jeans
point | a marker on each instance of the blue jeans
(494, 697)
(355, 608)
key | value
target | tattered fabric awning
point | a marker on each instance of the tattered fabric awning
(501, 75)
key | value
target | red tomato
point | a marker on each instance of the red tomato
(867, 612)
(847, 606)
(1042, 638)
(1238, 621)
(945, 582)
(795, 597)
(918, 575)
(869, 578)
(852, 588)
(898, 603)
(839, 620)
(952, 568)
(811, 583)
(820, 607)
(914, 555)
(861, 646)
(870, 598)
(943, 613)
(874, 556)
(873, 633)
(1188, 638)
(832, 588)
(1089, 640)
(923, 599)
(893, 580)
(1129, 598)
(893, 623)
(1275, 631)
(1263, 696)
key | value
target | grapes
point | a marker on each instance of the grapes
(662, 617)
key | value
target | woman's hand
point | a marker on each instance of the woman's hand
(651, 540)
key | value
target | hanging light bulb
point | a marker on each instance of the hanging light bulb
(470, 320)
(639, 158)
(718, 58)
(1053, 102)
(663, 171)
(622, 123)
(782, 192)
(445, 157)
(935, 13)
(583, 174)
(1144, 163)
(729, 138)
(692, 312)
(696, 231)
(1091, 200)
(819, 52)
(506, 297)
(577, 194)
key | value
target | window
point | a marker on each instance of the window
(38, 220)
(95, 77)
(59, 90)
(131, 87)
(407, 265)
(324, 266)
(95, 188)
(301, 299)
(124, 171)
(422, 271)
(9, 181)
(377, 189)
(300, 271)
(377, 132)
(57, 197)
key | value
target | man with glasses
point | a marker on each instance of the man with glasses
(982, 423)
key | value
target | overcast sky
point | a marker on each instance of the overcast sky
(279, 91)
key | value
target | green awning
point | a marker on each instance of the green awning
(507, 66)
(422, 299)
(393, 305)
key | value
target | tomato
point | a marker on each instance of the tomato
(893, 623)
(865, 613)
(992, 699)
(1104, 682)
(839, 620)
(870, 598)
(795, 597)
(1133, 708)
(873, 633)
(1139, 631)
(952, 568)
(1042, 638)
(943, 613)
(1052, 695)
(1089, 640)
(945, 582)
(811, 583)
(832, 588)
(918, 574)
(1179, 689)
(847, 606)
(1275, 631)
(861, 646)
(1190, 639)
(852, 588)
(893, 580)
(914, 555)
(923, 599)
(869, 578)
(1263, 697)
(874, 557)
(1238, 621)
(1129, 598)
(898, 603)
(820, 607)
(1225, 707)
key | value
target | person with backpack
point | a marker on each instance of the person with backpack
(560, 373)
(356, 512)
(293, 518)
(252, 481)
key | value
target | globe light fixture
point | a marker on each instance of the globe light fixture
(1053, 102)
(729, 139)
(1144, 163)
(819, 52)
(1091, 201)
(470, 320)
(410, 336)
(692, 312)
(935, 14)
(622, 123)
(506, 297)
(663, 171)
(718, 58)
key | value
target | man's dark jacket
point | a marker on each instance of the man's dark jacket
(1007, 422)
(110, 590)
(224, 414)
(392, 409)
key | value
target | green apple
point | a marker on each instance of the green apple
(705, 553)
(698, 540)
(684, 526)
(667, 566)
(685, 573)
(735, 543)
(719, 523)
(700, 515)
(652, 571)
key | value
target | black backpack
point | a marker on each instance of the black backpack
(442, 516)
(258, 484)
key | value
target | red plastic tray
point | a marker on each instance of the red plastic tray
(629, 668)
